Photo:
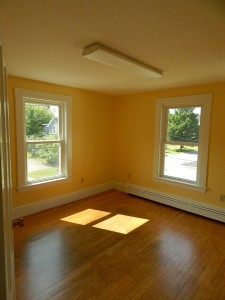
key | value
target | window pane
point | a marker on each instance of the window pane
(181, 162)
(183, 124)
(42, 161)
(41, 121)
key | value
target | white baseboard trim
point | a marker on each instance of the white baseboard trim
(210, 211)
(34, 207)
(207, 210)
(119, 186)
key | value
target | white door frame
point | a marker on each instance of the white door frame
(7, 282)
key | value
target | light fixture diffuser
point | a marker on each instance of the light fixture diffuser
(117, 60)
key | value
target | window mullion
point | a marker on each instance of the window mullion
(181, 143)
(43, 142)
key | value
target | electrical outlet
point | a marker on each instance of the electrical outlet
(82, 180)
(222, 197)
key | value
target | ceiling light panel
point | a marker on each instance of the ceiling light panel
(114, 59)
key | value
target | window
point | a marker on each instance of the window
(43, 137)
(181, 137)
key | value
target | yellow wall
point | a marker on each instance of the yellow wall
(92, 148)
(114, 137)
(134, 140)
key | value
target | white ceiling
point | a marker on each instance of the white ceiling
(43, 40)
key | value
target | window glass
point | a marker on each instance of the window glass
(181, 139)
(183, 124)
(181, 162)
(180, 149)
(41, 121)
(42, 161)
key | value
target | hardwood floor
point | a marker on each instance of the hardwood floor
(175, 255)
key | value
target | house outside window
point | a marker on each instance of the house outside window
(43, 138)
(181, 140)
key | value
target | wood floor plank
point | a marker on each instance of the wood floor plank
(175, 255)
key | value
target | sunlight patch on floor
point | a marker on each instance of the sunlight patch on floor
(121, 223)
(86, 216)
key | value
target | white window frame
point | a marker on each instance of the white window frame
(65, 104)
(162, 106)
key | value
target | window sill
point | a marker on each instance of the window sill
(40, 185)
(180, 184)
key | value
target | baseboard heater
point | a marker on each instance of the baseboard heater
(207, 210)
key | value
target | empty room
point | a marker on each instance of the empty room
(112, 149)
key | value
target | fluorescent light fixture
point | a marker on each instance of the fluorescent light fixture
(114, 59)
